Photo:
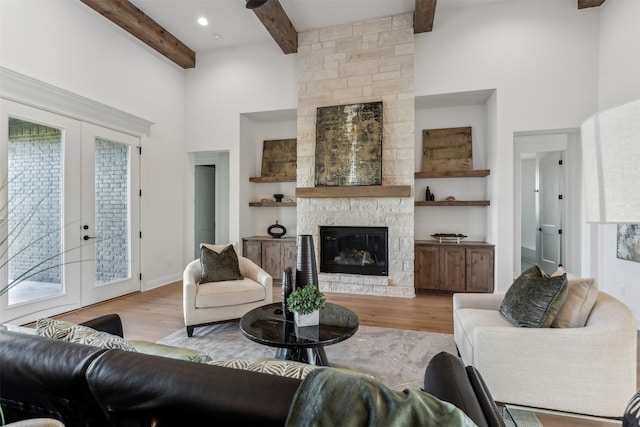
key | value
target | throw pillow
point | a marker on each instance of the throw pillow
(283, 368)
(534, 299)
(217, 267)
(170, 351)
(67, 331)
(581, 296)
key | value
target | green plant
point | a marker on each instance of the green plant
(306, 299)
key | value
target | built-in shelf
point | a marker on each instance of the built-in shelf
(272, 179)
(354, 191)
(454, 174)
(454, 203)
(271, 204)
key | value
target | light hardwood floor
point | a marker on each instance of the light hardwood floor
(155, 314)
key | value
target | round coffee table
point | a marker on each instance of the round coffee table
(267, 325)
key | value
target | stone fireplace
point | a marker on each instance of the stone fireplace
(356, 63)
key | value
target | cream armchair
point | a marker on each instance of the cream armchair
(206, 303)
(587, 370)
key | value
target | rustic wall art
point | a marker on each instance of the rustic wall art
(447, 149)
(349, 145)
(628, 242)
(279, 158)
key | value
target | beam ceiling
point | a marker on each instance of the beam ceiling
(425, 12)
(583, 4)
(277, 22)
(124, 14)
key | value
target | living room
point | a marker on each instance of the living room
(546, 66)
(557, 67)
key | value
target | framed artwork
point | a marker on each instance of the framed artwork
(349, 145)
(447, 149)
(279, 158)
(628, 247)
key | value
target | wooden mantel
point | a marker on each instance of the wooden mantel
(354, 191)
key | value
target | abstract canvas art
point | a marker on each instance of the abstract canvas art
(629, 242)
(349, 145)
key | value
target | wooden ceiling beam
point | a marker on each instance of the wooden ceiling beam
(584, 4)
(423, 16)
(127, 16)
(278, 24)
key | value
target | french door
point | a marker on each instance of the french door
(68, 213)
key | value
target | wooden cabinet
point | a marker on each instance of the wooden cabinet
(273, 255)
(453, 267)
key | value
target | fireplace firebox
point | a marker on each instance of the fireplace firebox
(354, 250)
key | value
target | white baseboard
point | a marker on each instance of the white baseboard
(161, 281)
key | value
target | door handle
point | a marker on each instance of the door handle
(88, 237)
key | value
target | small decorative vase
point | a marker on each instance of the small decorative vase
(276, 230)
(308, 333)
(278, 197)
(311, 319)
(287, 288)
(306, 270)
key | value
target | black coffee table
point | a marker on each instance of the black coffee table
(267, 325)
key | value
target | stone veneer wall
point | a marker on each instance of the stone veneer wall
(362, 62)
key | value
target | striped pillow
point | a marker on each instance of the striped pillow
(67, 331)
(283, 368)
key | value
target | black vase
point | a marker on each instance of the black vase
(287, 288)
(306, 271)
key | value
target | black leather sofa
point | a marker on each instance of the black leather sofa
(89, 386)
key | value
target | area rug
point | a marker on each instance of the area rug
(397, 357)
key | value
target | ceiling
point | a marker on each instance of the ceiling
(171, 27)
(238, 25)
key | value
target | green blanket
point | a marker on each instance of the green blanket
(329, 397)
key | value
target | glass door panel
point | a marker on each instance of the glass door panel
(34, 221)
(113, 243)
(39, 213)
(110, 217)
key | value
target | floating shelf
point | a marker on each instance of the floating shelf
(454, 174)
(454, 203)
(354, 191)
(272, 179)
(271, 204)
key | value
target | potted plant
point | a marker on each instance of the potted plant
(305, 303)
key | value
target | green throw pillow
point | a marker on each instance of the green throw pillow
(67, 331)
(534, 299)
(217, 267)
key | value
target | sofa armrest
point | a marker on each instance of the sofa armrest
(482, 301)
(252, 271)
(446, 378)
(109, 323)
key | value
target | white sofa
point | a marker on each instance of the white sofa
(586, 370)
(214, 302)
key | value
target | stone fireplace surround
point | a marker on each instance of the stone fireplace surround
(361, 62)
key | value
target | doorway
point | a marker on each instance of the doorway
(205, 206)
(536, 212)
(70, 213)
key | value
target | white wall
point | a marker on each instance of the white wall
(225, 84)
(619, 82)
(68, 45)
(540, 58)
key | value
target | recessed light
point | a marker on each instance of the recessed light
(216, 36)
(203, 21)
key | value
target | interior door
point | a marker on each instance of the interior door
(551, 184)
(39, 213)
(205, 206)
(110, 214)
